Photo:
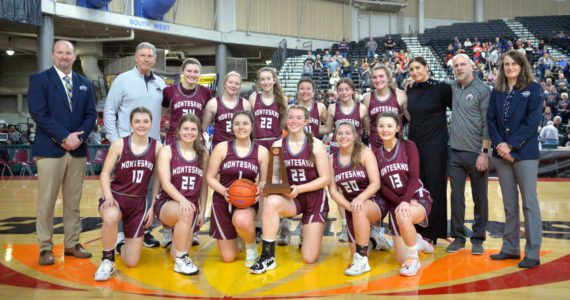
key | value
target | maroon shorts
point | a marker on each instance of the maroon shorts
(266, 142)
(313, 205)
(133, 210)
(221, 225)
(424, 199)
(383, 207)
(160, 201)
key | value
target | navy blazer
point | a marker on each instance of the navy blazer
(521, 129)
(49, 108)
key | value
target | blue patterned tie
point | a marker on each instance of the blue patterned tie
(507, 104)
(68, 89)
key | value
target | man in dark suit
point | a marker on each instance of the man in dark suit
(62, 105)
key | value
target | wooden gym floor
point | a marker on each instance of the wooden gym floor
(443, 275)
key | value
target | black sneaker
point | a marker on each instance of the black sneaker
(150, 241)
(264, 264)
(455, 246)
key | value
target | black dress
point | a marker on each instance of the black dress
(427, 103)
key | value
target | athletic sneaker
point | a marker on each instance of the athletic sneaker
(477, 249)
(455, 246)
(250, 257)
(358, 266)
(284, 236)
(105, 270)
(195, 240)
(149, 240)
(411, 269)
(377, 240)
(264, 264)
(184, 265)
(166, 237)
(343, 236)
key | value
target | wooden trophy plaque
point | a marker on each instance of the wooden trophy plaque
(276, 183)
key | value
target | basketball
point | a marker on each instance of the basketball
(241, 193)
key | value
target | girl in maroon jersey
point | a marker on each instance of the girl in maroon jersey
(398, 162)
(384, 97)
(346, 110)
(124, 198)
(356, 182)
(237, 158)
(317, 111)
(317, 117)
(181, 202)
(221, 109)
(269, 108)
(186, 97)
(307, 165)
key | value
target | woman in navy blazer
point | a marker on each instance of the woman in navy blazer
(515, 112)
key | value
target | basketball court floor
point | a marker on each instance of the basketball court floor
(450, 276)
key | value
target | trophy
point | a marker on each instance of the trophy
(276, 183)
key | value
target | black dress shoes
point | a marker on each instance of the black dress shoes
(528, 263)
(503, 256)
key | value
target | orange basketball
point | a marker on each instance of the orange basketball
(241, 193)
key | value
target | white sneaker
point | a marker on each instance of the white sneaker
(250, 257)
(343, 236)
(358, 266)
(105, 270)
(411, 269)
(378, 241)
(166, 237)
(184, 265)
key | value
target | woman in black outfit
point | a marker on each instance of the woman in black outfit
(427, 103)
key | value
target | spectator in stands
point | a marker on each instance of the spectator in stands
(561, 79)
(371, 47)
(389, 45)
(565, 141)
(545, 63)
(343, 47)
(549, 135)
(333, 66)
(327, 58)
(310, 57)
(564, 112)
(494, 57)
(557, 123)
(561, 35)
(477, 49)
(546, 116)
(14, 135)
(308, 68)
(456, 43)
(334, 79)
(318, 64)
(95, 136)
(467, 43)
(364, 72)
(338, 57)
(31, 133)
(345, 68)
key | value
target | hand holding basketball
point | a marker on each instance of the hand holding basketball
(242, 193)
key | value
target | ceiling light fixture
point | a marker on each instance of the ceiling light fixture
(10, 52)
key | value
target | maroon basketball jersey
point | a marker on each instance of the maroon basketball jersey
(267, 124)
(394, 168)
(353, 117)
(181, 102)
(300, 168)
(351, 181)
(377, 107)
(314, 120)
(235, 167)
(223, 121)
(185, 175)
(133, 172)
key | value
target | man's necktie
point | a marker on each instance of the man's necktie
(69, 90)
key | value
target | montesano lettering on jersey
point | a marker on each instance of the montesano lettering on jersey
(141, 163)
(394, 167)
(349, 174)
(266, 112)
(240, 164)
(381, 109)
(299, 163)
(226, 116)
(188, 170)
(188, 103)
(356, 123)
